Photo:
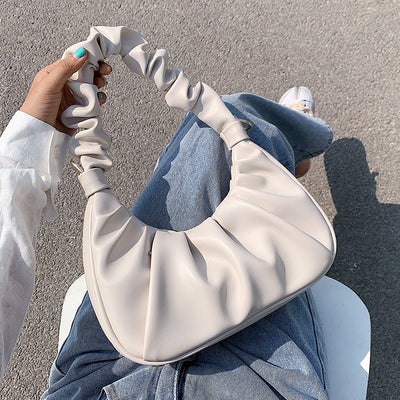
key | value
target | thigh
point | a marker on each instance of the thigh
(283, 350)
(193, 173)
(275, 358)
(87, 361)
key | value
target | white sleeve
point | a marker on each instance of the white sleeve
(32, 155)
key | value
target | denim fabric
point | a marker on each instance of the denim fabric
(193, 173)
(278, 357)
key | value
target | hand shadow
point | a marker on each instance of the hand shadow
(368, 256)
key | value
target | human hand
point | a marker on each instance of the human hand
(49, 95)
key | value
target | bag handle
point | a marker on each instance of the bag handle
(106, 41)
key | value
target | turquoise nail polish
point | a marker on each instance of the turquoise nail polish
(79, 52)
(100, 95)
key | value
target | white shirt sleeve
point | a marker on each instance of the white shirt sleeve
(32, 155)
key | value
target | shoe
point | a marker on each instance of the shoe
(299, 98)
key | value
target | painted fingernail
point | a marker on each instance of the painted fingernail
(79, 52)
(100, 95)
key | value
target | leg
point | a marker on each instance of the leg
(280, 356)
(193, 173)
(300, 99)
(190, 181)
(87, 361)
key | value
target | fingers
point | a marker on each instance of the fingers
(99, 79)
(104, 69)
(61, 70)
(102, 97)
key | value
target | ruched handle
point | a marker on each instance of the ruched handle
(106, 41)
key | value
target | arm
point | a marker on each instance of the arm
(32, 154)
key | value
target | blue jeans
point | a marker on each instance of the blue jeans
(278, 357)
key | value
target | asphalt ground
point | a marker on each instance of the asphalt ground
(346, 52)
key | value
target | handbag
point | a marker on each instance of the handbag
(162, 295)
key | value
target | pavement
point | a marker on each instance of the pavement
(346, 52)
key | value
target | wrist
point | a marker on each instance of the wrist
(36, 112)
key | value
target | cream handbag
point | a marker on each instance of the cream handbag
(162, 295)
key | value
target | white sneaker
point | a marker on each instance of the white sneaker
(299, 98)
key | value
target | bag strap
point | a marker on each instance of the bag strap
(106, 41)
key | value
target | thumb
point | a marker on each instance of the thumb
(63, 69)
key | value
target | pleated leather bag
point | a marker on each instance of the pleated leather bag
(162, 295)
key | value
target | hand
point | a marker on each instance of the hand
(49, 95)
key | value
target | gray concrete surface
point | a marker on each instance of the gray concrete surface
(347, 52)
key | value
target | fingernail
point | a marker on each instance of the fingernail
(79, 52)
(100, 95)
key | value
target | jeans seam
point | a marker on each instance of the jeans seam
(317, 342)
(177, 379)
(231, 347)
(69, 333)
(114, 393)
(304, 155)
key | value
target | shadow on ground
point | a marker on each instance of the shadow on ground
(368, 256)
